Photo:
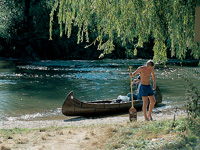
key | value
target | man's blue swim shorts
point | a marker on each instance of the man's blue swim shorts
(146, 90)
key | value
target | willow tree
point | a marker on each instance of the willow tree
(169, 22)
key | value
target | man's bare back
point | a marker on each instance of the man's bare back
(145, 73)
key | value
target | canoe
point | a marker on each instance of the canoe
(75, 107)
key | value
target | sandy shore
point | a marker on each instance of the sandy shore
(81, 121)
(78, 133)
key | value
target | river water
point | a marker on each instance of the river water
(36, 90)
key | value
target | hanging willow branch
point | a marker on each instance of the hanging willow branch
(169, 22)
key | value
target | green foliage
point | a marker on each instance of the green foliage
(169, 22)
(29, 38)
(193, 100)
(13, 20)
(10, 13)
(192, 93)
(170, 134)
(131, 53)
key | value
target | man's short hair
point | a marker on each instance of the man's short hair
(150, 63)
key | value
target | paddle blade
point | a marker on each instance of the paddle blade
(132, 114)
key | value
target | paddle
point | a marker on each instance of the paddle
(132, 110)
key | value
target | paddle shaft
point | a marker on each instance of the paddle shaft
(131, 89)
(132, 110)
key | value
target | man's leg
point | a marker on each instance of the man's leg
(152, 103)
(145, 104)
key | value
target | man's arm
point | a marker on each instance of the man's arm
(154, 79)
(135, 72)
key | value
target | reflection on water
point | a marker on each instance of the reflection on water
(38, 89)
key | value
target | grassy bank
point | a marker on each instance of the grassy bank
(170, 134)
(180, 133)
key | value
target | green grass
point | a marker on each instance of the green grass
(173, 134)
(183, 133)
(9, 133)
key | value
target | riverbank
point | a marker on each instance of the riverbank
(71, 133)
(81, 121)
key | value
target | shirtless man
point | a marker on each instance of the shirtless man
(146, 90)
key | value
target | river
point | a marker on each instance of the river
(36, 90)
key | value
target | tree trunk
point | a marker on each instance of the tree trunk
(27, 16)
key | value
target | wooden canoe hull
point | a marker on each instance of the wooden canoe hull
(74, 107)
